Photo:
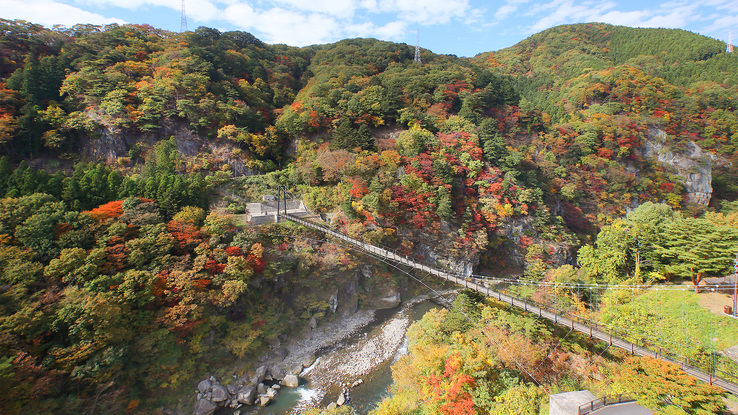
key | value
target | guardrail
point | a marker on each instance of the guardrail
(603, 402)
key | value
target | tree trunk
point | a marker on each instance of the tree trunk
(696, 282)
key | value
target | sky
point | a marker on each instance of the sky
(458, 27)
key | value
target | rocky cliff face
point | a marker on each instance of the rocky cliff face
(694, 166)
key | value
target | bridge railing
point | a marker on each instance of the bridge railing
(637, 344)
(603, 402)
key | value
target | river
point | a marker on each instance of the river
(366, 356)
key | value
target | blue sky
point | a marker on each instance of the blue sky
(459, 27)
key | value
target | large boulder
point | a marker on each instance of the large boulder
(308, 360)
(204, 386)
(247, 395)
(261, 389)
(260, 374)
(295, 369)
(278, 372)
(205, 407)
(220, 394)
(291, 381)
(341, 399)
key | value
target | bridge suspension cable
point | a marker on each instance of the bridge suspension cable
(458, 278)
(435, 291)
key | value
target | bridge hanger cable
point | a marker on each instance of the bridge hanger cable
(520, 366)
(631, 332)
(518, 281)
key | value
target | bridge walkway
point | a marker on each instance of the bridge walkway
(587, 327)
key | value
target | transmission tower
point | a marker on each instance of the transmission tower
(417, 48)
(183, 22)
(730, 43)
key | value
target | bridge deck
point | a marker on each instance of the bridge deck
(587, 327)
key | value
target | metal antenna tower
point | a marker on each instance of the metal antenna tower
(417, 48)
(730, 43)
(183, 22)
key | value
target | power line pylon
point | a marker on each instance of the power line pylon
(417, 48)
(183, 21)
(730, 43)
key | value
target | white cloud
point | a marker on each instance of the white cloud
(338, 8)
(505, 10)
(391, 31)
(50, 13)
(284, 26)
(426, 11)
(201, 10)
(673, 14)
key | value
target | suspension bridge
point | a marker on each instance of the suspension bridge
(492, 288)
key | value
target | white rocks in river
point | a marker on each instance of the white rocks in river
(357, 383)
(277, 386)
(264, 400)
(341, 399)
(331, 406)
(271, 392)
(220, 394)
(291, 381)
(246, 395)
(205, 407)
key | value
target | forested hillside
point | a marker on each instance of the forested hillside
(608, 150)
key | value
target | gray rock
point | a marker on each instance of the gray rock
(220, 394)
(278, 372)
(341, 399)
(232, 388)
(692, 164)
(261, 389)
(264, 400)
(246, 395)
(291, 381)
(390, 301)
(308, 360)
(205, 407)
(313, 323)
(333, 302)
(260, 374)
(204, 386)
(295, 369)
(213, 380)
(277, 386)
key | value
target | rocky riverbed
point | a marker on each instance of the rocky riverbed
(349, 351)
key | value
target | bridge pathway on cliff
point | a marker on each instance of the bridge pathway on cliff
(588, 327)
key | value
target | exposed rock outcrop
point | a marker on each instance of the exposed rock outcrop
(693, 165)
